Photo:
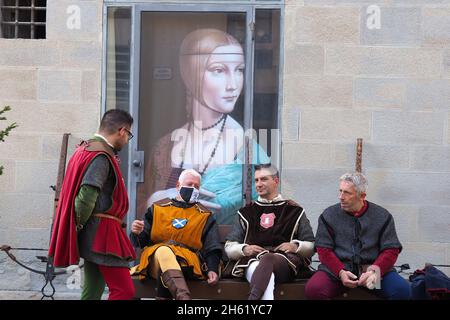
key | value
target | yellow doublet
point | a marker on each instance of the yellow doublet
(164, 233)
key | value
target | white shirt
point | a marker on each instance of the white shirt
(106, 140)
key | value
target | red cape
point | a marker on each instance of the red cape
(110, 238)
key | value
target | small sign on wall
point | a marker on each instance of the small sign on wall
(162, 73)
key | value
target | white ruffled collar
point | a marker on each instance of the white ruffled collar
(278, 198)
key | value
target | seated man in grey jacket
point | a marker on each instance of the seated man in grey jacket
(357, 244)
(271, 238)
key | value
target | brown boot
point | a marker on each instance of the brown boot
(162, 293)
(174, 280)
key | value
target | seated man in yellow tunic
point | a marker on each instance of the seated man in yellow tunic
(181, 238)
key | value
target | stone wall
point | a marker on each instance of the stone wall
(53, 87)
(342, 81)
(390, 86)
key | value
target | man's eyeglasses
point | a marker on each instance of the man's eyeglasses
(130, 135)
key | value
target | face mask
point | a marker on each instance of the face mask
(189, 194)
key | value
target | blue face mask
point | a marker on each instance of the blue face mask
(189, 194)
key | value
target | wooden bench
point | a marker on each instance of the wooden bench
(238, 289)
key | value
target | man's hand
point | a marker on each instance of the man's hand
(348, 279)
(213, 278)
(252, 250)
(368, 279)
(287, 247)
(137, 227)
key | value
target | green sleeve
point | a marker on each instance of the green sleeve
(85, 203)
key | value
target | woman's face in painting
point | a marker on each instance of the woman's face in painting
(223, 78)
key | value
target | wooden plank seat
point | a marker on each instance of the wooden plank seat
(238, 289)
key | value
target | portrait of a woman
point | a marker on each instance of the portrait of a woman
(212, 67)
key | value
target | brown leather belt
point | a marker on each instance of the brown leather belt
(179, 244)
(108, 216)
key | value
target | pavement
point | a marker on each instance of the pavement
(37, 295)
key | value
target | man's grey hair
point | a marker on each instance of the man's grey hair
(358, 180)
(188, 172)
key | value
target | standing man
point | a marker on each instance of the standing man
(357, 246)
(271, 238)
(93, 203)
(181, 238)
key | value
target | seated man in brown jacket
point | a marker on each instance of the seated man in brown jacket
(271, 238)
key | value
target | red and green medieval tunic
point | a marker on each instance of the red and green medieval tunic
(109, 239)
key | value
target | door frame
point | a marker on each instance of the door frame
(135, 156)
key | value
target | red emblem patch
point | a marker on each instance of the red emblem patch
(267, 220)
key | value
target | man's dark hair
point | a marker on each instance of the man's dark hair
(270, 167)
(115, 119)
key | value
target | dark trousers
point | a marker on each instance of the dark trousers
(322, 286)
(268, 264)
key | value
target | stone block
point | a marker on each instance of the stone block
(26, 210)
(59, 86)
(307, 155)
(383, 61)
(23, 52)
(291, 123)
(318, 91)
(405, 219)
(431, 158)
(408, 128)
(20, 146)
(304, 59)
(294, 2)
(7, 179)
(326, 24)
(4, 237)
(290, 18)
(51, 147)
(31, 238)
(436, 26)
(81, 54)
(319, 2)
(446, 64)
(62, 20)
(90, 86)
(373, 156)
(398, 27)
(18, 84)
(420, 2)
(59, 118)
(428, 95)
(312, 209)
(36, 176)
(360, 2)
(335, 125)
(412, 188)
(434, 223)
(15, 279)
(379, 92)
(312, 185)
